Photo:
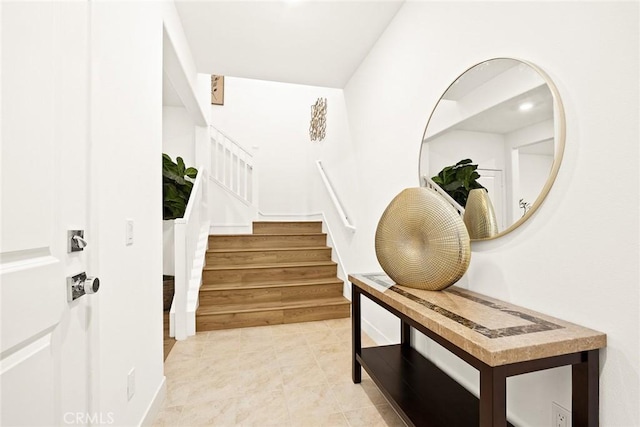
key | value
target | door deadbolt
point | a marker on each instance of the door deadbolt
(75, 241)
(81, 284)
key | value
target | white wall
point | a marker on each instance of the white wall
(577, 257)
(127, 52)
(485, 149)
(178, 134)
(534, 170)
(272, 120)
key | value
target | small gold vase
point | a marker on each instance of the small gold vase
(479, 216)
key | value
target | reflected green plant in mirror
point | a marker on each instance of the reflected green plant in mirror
(458, 180)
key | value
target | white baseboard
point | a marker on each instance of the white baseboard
(155, 406)
(230, 229)
(375, 334)
(275, 216)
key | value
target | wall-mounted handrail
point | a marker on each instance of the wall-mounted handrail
(334, 198)
(432, 185)
(233, 167)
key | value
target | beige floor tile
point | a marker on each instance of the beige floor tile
(219, 386)
(322, 420)
(283, 343)
(311, 402)
(256, 343)
(168, 417)
(260, 380)
(221, 345)
(367, 342)
(338, 372)
(354, 396)
(313, 326)
(200, 337)
(339, 323)
(185, 367)
(390, 417)
(286, 329)
(343, 334)
(308, 374)
(216, 413)
(365, 417)
(178, 358)
(330, 350)
(262, 359)
(256, 332)
(178, 391)
(261, 409)
(321, 338)
(187, 348)
(284, 375)
(295, 356)
(208, 366)
(222, 333)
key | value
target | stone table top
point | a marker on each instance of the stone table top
(493, 331)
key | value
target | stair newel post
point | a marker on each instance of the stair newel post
(180, 295)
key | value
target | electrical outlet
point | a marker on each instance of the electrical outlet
(560, 417)
(131, 383)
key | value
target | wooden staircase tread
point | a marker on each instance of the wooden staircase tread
(288, 248)
(271, 284)
(269, 306)
(272, 265)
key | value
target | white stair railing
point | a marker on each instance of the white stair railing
(334, 198)
(232, 167)
(429, 183)
(191, 234)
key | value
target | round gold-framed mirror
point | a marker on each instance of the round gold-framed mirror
(499, 126)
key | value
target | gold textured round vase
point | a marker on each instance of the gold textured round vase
(421, 241)
(479, 215)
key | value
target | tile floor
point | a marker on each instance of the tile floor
(282, 375)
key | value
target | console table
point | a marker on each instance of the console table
(497, 338)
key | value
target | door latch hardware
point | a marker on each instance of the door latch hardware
(81, 284)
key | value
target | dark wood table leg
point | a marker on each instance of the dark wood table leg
(493, 397)
(585, 393)
(356, 334)
(405, 334)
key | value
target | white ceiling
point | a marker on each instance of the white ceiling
(312, 42)
(506, 117)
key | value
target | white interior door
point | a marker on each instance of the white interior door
(44, 93)
(492, 180)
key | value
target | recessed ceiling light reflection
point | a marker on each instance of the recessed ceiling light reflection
(526, 106)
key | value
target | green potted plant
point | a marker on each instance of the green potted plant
(177, 182)
(458, 180)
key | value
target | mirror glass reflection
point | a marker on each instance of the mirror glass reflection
(504, 115)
